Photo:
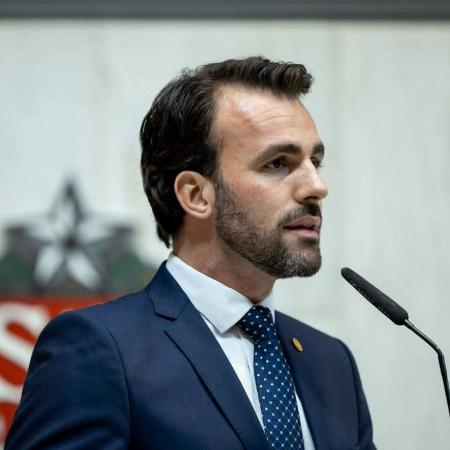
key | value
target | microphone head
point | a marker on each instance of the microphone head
(381, 301)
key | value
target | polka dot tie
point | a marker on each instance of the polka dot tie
(274, 382)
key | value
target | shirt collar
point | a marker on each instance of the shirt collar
(221, 305)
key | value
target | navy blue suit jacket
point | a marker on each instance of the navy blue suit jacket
(145, 372)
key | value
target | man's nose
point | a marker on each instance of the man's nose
(310, 187)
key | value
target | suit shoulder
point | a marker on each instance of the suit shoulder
(309, 335)
(121, 312)
(288, 321)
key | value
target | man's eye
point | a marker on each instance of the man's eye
(317, 163)
(276, 164)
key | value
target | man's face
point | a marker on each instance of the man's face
(268, 190)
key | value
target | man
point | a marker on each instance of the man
(199, 359)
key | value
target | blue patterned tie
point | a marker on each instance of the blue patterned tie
(273, 381)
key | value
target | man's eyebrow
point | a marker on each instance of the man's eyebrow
(274, 150)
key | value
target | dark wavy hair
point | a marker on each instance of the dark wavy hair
(177, 132)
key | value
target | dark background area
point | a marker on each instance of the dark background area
(230, 9)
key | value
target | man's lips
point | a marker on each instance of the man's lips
(305, 226)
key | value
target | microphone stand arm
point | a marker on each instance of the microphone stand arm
(441, 359)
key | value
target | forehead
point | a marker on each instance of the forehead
(252, 119)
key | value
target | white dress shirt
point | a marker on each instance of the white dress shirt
(221, 307)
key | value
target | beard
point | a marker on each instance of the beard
(266, 249)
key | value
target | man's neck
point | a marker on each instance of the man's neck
(226, 266)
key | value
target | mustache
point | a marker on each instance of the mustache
(301, 211)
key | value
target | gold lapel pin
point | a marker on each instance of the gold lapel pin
(297, 344)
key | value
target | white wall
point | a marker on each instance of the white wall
(72, 98)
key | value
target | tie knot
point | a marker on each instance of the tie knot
(258, 324)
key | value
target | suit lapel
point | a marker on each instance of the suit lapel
(303, 373)
(194, 339)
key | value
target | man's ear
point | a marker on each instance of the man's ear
(195, 193)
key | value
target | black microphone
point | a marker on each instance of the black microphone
(396, 313)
